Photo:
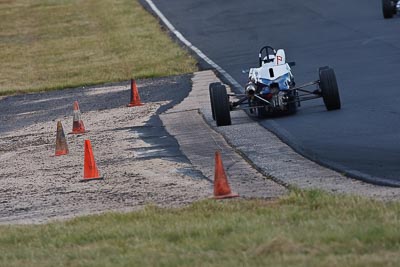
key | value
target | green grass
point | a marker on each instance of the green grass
(50, 44)
(302, 229)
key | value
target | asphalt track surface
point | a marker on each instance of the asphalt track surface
(363, 138)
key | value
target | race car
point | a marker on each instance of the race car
(271, 90)
(390, 8)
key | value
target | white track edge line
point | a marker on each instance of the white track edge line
(192, 47)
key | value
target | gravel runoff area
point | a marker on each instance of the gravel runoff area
(140, 162)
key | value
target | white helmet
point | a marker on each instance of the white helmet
(268, 59)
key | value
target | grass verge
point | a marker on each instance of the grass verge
(303, 229)
(47, 44)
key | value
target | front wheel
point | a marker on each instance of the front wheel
(220, 105)
(262, 112)
(329, 88)
(388, 8)
(294, 102)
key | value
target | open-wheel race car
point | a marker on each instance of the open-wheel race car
(390, 8)
(271, 90)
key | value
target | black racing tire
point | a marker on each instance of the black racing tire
(388, 9)
(212, 85)
(329, 88)
(293, 102)
(262, 112)
(221, 105)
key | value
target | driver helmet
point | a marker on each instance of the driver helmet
(271, 59)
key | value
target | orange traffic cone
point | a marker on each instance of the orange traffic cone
(90, 171)
(61, 142)
(221, 186)
(77, 126)
(135, 98)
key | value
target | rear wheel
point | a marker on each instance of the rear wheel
(220, 104)
(329, 88)
(388, 8)
(212, 85)
(323, 68)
